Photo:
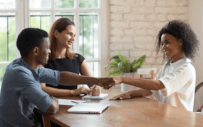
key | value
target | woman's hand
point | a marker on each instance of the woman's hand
(118, 80)
(81, 90)
(122, 96)
(94, 91)
(199, 110)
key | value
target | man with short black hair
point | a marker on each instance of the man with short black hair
(21, 90)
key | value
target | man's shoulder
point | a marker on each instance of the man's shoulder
(16, 68)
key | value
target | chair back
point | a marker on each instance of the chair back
(198, 102)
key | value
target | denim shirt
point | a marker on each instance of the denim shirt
(21, 92)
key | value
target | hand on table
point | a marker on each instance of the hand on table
(122, 96)
(81, 90)
(54, 98)
(199, 110)
(94, 90)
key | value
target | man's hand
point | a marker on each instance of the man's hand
(122, 96)
(54, 107)
(115, 81)
(106, 83)
(94, 90)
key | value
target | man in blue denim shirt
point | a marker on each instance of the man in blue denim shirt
(21, 90)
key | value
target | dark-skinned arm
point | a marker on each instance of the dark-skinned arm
(133, 93)
(148, 84)
(140, 93)
(54, 107)
(62, 92)
(70, 79)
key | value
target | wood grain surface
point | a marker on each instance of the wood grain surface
(140, 112)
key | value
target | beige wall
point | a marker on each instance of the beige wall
(196, 22)
(134, 25)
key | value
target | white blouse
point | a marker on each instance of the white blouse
(179, 80)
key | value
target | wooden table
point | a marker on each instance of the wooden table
(139, 112)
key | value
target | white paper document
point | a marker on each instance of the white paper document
(100, 97)
(69, 102)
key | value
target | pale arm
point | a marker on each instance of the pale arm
(56, 92)
(85, 71)
(62, 92)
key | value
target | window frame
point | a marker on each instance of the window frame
(19, 24)
(22, 12)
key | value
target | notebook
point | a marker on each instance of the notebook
(100, 97)
(88, 108)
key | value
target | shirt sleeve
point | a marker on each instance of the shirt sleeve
(49, 76)
(31, 90)
(175, 80)
(81, 58)
(155, 92)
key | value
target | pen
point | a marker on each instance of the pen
(74, 102)
(94, 87)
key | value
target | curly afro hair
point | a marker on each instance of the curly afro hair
(180, 29)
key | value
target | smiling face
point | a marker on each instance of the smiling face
(44, 52)
(66, 37)
(172, 47)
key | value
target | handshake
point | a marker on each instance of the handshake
(94, 90)
(107, 82)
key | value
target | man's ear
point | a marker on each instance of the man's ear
(56, 33)
(35, 51)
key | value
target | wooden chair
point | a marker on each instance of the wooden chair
(198, 103)
(46, 122)
(145, 71)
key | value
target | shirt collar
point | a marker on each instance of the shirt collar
(25, 64)
(180, 62)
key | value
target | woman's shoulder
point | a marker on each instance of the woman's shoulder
(79, 58)
(187, 64)
(79, 55)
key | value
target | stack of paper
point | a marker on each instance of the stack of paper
(69, 102)
(100, 97)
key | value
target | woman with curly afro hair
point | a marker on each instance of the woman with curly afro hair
(175, 82)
